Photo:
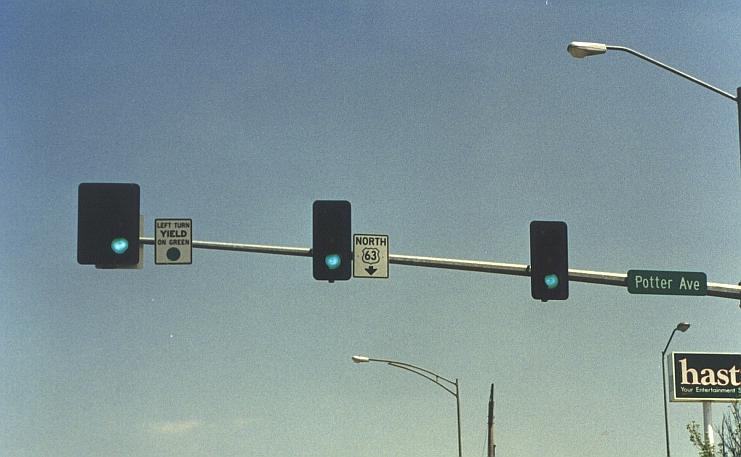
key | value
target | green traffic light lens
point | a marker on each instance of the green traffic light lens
(120, 245)
(333, 261)
(551, 281)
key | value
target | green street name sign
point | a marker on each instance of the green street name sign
(667, 282)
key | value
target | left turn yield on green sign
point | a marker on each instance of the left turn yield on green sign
(173, 241)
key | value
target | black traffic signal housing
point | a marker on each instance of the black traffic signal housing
(332, 240)
(549, 260)
(108, 225)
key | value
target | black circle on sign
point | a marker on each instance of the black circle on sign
(173, 254)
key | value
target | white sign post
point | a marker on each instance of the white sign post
(370, 256)
(173, 241)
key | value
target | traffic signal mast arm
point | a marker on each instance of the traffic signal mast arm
(594, 277)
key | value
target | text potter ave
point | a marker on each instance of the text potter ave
(656, 282)
(667, 282)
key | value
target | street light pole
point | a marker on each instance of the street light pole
(580, 49)
(430, 376)
(738, 106)
(682, 327)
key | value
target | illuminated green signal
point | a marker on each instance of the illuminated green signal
(551, 281)
(120, 245)
(333, 261)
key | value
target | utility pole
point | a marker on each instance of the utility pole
(491, 447)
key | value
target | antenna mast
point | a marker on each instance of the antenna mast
(491, 447)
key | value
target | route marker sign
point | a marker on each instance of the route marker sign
(667, 282)
(370, 256)
(173, 241)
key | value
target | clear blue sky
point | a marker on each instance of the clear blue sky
(449, 128)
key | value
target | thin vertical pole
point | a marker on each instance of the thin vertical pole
(458, 410)
(491, 446)
(707, 418)
(666, 414)
(738, 104)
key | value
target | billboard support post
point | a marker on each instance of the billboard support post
(707, 418)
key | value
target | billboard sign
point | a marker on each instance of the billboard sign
(703, 376)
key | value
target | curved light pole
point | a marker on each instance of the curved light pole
(581, 49)
(427, 374)
(682, 327)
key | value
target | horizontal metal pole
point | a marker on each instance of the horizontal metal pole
(457, 264)
(594, 277)
(219, 246)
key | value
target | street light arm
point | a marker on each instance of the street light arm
(424, 374)
(427, 374)
(581, 49)
(673, 70)
(663, 353)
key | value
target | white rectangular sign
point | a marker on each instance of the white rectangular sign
(370, 256)
(173, 241)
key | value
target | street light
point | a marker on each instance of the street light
(581, 49)
(682, 327)
(427, 374)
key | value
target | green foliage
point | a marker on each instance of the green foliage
(698, 438)
(728, 436)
